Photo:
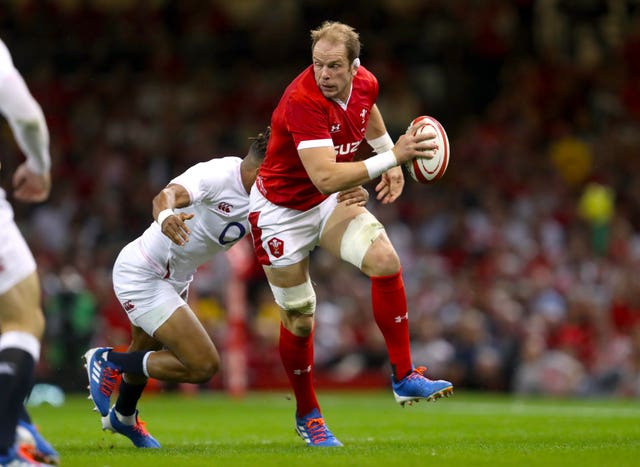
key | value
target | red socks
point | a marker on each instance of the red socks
(390, 312)
(389, 304)
(296, 354)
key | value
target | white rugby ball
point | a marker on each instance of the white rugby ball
(424, 169)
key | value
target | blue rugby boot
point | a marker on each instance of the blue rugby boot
(20, 456)
(137, 433)
(40, 450)
(314, 431)
(103, 378)
(415, 386)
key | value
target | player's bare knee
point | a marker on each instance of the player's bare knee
(204, 369)
(302, 325)
(203, 373)
(381, 259)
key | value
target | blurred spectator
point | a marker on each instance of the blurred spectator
(71, 316)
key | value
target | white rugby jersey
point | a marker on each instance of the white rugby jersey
(6, 67)
(220, 205)
(24, 115)
(6, 63)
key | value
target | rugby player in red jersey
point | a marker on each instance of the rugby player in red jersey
(323, 117)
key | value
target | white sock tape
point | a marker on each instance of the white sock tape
(144, 364)
(21, 340)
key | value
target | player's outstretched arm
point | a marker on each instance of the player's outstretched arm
(172, 224)
(31, 181)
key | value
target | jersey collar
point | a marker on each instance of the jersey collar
(343, 105)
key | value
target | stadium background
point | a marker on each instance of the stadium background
(521, 265)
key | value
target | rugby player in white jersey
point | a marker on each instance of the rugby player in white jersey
(198, 214)
(21, 318)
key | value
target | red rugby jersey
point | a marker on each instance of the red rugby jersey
(304, 118)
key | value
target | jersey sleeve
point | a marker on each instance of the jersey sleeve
(6, 63)
(308, 121)
(204, 181)
(24, 115)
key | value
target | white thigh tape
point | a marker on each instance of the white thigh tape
(358, 237)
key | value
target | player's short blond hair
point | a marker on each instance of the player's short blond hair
(338, 33)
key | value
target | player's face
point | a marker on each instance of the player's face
(332, 70)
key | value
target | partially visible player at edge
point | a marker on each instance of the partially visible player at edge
(22, 321)
(151, 277)
(322, 118)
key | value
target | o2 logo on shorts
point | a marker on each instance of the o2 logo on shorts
(128, 306)
(276, 247)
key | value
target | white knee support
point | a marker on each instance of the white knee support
(300, 298)
(358, 237)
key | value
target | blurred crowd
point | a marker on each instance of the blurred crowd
(521, 265)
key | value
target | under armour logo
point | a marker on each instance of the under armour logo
(128, 306)
(304, 370)
(334, 128)
(398, 319)
(225, 207)
(276, 247)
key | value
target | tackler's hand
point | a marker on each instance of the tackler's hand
(357, 195)
(175, 228)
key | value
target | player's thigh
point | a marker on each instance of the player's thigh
(20, 308)
(146, 297)
(336, 224)
(288, 276)
(354, 234)
(185, 336)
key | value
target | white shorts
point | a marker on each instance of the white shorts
(147, 298)
(283, 236)
(16, 259)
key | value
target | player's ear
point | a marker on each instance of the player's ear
(355, 64)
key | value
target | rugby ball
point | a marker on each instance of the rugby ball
(424, 169)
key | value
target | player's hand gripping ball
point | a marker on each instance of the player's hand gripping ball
(424, 169)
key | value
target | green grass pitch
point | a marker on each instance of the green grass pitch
(468, 429)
